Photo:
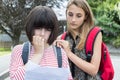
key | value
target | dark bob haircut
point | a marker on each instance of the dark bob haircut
(42, 17)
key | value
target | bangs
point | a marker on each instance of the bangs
(42, 17)
(43, 20)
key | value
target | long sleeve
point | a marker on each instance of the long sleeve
(17, 70)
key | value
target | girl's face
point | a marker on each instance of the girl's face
(75, 17)
(42, 32)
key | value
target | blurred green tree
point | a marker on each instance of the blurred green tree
(107, 16)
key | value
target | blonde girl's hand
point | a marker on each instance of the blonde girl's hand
(64, 44)
(38, 44)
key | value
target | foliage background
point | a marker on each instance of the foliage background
(107, 15)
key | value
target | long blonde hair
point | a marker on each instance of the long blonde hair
(88, 23)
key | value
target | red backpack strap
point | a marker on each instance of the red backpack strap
(89, 43)
(63, 35)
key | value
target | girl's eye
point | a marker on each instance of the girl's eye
(38, 28)
(78, 15)
(48, 29)
(70, 14)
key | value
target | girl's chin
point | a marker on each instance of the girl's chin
(74, 28)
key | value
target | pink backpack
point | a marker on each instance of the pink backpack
(106, 68)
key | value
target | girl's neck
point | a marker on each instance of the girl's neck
(75, 33)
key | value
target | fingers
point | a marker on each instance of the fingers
(38, 44)
(54, 43)
(38, 40)
(57, 43)
(59, 37)
(62, 43)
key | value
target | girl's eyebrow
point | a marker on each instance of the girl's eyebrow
(75, 13)
(79, 13)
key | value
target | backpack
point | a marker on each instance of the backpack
(27, 48)
(106, 68)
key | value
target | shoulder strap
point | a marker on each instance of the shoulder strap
(89, 43)
(58, 54)
(26, 51)
(63, 35)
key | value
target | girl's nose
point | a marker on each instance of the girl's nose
(73, 18)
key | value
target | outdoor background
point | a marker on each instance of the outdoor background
(14, 12)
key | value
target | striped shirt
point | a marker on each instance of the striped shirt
(17, 68)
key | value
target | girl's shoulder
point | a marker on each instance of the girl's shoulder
(17, 50)
(18, 47)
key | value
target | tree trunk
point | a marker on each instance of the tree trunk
(15, 41)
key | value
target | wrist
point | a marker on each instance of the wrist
(69, 53)
(38, 52)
